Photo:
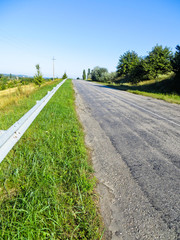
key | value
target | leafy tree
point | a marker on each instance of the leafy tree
(84, 75)
(138, 73)
(38, 79)
(98, 73)
(108, 77)
(158, 61)
(64, 76)
(127, 62)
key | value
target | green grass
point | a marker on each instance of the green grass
(46, 183)
(163, 88)
(172, 98)
(13, 112)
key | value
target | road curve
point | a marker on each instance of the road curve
(136, 157)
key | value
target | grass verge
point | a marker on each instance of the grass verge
(23, 102)
(13, 95)
(171, 98)
(46, 184)
(164, 88)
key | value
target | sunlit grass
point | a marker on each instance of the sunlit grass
(13, 95)
(46, 184)
(160, 88)
(172, 98)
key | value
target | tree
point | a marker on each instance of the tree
(84, 75)
(138, 73)
(89, 74)
(97, 74)
(176, 69)
(176, 60)
(64, 76)
(108, 77)
(158, 61)
(126, 63)
(38, 79)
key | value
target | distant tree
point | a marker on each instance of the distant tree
(38, 79)
(126, 63)
(10, 75)
(108, 77)
(64, 76)
(158, 61)
(97, 74)
(84, 75)
(89, 74)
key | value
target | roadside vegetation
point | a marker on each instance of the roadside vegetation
(46, 182)
(11, 81)
(156, 75)
(38, 79)
(14, 95)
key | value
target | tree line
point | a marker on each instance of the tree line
(10, 81)
(133, 68)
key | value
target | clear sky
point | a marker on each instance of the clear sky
(82, 34)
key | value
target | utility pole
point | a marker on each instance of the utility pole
(53, 67)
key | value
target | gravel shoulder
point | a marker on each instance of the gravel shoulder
(127, 211)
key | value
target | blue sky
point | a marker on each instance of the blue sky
(82, 34)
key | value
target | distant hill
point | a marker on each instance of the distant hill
(15, 75)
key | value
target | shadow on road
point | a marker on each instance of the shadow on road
(167, 86)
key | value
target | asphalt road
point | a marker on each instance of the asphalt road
(136, 157)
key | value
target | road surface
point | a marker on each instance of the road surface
(135, 142)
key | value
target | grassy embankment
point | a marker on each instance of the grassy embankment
(46, 183)
(162, 88)
(13, 95)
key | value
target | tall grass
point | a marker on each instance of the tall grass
(13, 95)
(163, 88)
(171, 98)
(46, 184)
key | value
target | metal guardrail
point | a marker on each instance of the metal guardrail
(8, 138)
